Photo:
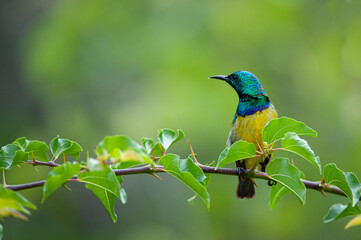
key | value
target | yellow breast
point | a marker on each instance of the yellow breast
(249, 128)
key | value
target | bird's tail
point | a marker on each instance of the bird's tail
(245, 187)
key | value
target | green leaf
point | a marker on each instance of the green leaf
(347, 182)
(281, 170)
(34, 148)
(105, 179)
(58, 176)
(277, 128)
(205, 182)
(21, 151)
(277, 191)
(339, 211)
(148, 144)
(7, 154)
(167, 137)
(124, 150)
(107, 198)
(104, 185)
(20, 157)
(13, 203)
(59, 146)
(152, 149)
(120, 142)
(171, 164)
(355, 186)
(239, 150)
(188, 165)
(293, 143)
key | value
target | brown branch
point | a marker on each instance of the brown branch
(318, 186)
(35, 162)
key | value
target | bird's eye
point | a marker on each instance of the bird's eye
(234, 77)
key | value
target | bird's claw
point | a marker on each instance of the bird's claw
(271, 183)
(240, 172)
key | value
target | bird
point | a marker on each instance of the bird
(254, 111)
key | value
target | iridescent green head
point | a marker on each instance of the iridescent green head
(252, 97)
(245, 83)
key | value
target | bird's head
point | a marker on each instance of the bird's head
(245, 83)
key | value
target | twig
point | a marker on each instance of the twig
(318, 186)
(49, 164)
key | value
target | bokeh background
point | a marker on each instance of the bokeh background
(84, 69)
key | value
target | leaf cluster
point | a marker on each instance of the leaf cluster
(287, 132)
(117, 153)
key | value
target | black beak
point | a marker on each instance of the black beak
(220, 77)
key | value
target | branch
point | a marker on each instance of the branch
(35, 162)
(206, 169)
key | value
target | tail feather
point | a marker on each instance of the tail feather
(245, 188)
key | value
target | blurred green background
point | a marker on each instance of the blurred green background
(84, 69)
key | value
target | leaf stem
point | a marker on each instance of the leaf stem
(4, 182)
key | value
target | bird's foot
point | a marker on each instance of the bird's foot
(263, 169)
(271, 183)
(240, 171)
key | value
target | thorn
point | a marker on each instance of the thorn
(293, 164)
(323, 193)
(254, 182)
(190, 146)
(161, 151)
(53, 159)
(67, 187)
(32, 154)
(154, 153)
(155, 175)
(323, 181)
